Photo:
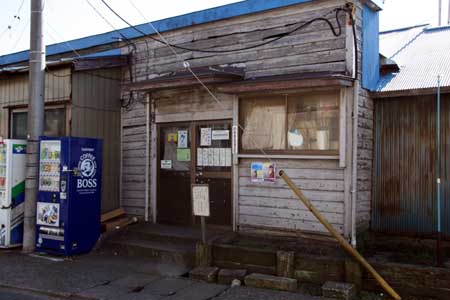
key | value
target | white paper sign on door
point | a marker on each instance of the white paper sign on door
(220, 135)
(205, 136)
(182, 139)
(200, 200)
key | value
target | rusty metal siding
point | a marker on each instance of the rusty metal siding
(404, 176)
(96, 113)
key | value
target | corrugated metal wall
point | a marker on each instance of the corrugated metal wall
(96, 113)
(14, 91)
(405, 169)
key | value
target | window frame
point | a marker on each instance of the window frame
(294, 152)
(13, 110)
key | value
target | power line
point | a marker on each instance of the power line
(273, 38)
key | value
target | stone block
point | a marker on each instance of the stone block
(208, 274)
(271, 282)
(354, 273)
(285, 263)
(226, 276)
(339, 290)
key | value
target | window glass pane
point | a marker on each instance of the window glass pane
(19, 125)
(55, 122)
(313, 121)
(264, 123)
(180, 160)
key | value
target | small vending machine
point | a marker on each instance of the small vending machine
(12, 191)
(69, 195)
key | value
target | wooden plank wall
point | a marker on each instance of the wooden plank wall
(275, 205)
(313, 48)
(14, 91)
(365, 141)
(133, 156)
(95, 113)
(309, 50)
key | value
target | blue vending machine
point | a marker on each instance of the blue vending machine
(69, 195)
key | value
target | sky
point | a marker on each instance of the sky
(71, 19)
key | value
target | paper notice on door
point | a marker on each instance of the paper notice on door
(200, 157)
(166, 164)
(228, 157)
(220, 135)
(210, 157)
(223, 161)
(205, 156)
(182, 139)
(216, 152)
(184, 154)
(205, 136)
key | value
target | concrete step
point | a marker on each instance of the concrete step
(183, 255)
(168, 234)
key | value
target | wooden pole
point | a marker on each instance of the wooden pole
(347, 247)
(202, 218)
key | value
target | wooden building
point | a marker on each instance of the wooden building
(286, 105)
(406, 165)
(82, 98)
(244, 90)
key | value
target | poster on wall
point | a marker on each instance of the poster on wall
(205, 136)
(182, 139)
(262, 172)
(47, 214)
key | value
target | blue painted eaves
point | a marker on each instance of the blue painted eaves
(199, 17)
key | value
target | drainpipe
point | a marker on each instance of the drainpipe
(147, 156)
(354, 184)
(354, 160)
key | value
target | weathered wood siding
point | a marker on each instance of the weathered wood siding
(275, 205)
(133, 156)
(311, 49)
(14, 91)
(95, 112)
(365, 140)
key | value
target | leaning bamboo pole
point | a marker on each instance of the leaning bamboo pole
(339, 238)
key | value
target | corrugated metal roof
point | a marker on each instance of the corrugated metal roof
(422, 54)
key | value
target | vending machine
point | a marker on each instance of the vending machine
(69, 195)
(12, 191)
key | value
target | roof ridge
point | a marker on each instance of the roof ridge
(406, 44)
(404, 28)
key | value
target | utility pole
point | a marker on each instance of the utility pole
(448, 16)
(35, 120)
(440, 13)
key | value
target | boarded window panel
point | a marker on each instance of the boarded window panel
(313, 122)
(264, 123)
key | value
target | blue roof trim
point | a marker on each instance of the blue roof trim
(370, 49)
(195, 18)
(107, 53)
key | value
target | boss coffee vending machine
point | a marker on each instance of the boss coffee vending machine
(12, 191)
(69, 195)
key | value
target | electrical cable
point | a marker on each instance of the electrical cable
(273, 38)
(187, 66)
